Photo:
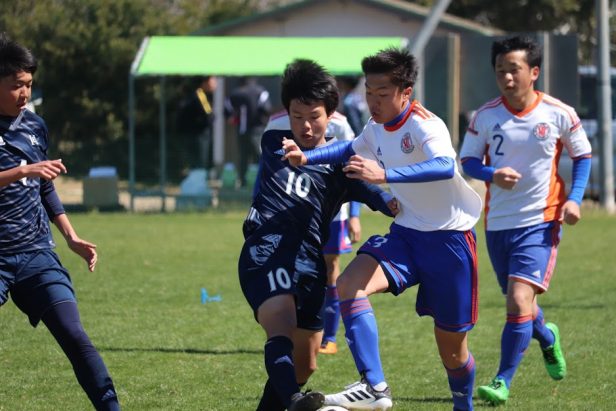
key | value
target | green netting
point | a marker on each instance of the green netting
(256, 56)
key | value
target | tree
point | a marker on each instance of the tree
(85, 49)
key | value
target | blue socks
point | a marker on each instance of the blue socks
(363, 338)
(461, 382)
(280, 367)
(542, 333)
(514, 342)
(331, 314)
(64, 323)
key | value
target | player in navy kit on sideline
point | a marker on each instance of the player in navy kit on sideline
(430, 244)
(281, 267)
(29, 269)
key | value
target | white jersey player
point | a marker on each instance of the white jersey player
(514, 144)
(430, 244)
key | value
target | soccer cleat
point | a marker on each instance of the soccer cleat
(553, 356)
(496, 393)
(328, 347)
(306, 401)
(361, 396)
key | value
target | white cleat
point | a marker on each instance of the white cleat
(361, 396)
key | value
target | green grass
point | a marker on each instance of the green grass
(167, 351)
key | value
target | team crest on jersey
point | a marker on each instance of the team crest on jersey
(541, 131)
(406, 145)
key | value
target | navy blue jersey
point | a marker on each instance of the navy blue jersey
(304, 199)
(24, 220)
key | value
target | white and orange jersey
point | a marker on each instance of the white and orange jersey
(419, 136)
(338, 127)
(531, 143)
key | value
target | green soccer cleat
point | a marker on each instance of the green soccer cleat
(496, 393)
(553, 356)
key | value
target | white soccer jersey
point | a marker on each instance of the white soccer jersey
(337, 127)
(531, 143)
(437, 205)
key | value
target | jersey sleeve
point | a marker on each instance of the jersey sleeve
(365, 144)
(433, 138)
(340, 128)
(573, 135)
(475, 139)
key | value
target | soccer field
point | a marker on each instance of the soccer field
(168, 351)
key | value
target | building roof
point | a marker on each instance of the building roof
(402, 9)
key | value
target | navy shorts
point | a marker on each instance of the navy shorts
(339, 241)
(35, 281)
(275, 263)
(526, 254)
(443, 263)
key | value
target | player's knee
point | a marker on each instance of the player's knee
(519, 302)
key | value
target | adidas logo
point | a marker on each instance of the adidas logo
(378, 151)
(284, 359)
(497, 127)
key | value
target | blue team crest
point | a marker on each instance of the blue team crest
(406, 145)
(541, 131)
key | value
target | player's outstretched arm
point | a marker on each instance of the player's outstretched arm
(293, 153)
(365, 169)
(84, 249)
(47, 170)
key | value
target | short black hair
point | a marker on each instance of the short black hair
(15, 58)
(534, 54)
(398, 63)
(308, 82)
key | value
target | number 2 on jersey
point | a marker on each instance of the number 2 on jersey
(500, 139)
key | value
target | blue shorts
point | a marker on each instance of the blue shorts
(276, 262)
(36, 281)
(443, 263)
(339, 241)
(526, 254)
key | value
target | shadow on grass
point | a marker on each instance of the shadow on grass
(182, 351)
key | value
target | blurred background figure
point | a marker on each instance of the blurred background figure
(352, 103)
(251, 107)
(195, 122)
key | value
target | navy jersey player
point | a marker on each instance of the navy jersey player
(281, 267)
(30, 272)
(430, 244)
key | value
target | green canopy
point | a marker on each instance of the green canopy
(163, 56)
(254, 56)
